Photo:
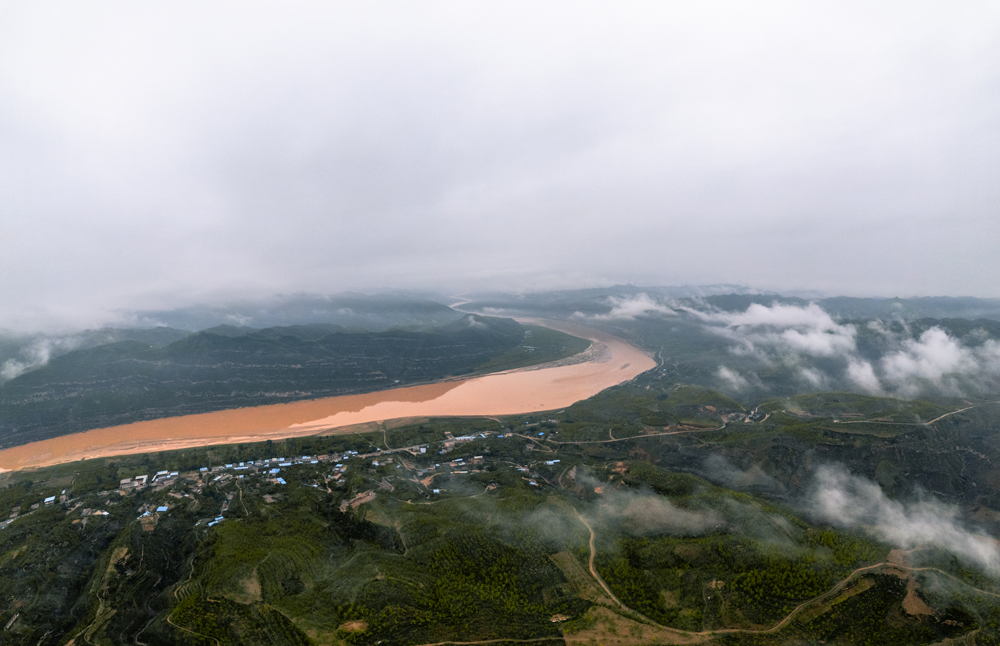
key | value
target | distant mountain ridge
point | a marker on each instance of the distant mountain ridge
(599, 301)
(358, 312)
(374, 313)
(21, 353)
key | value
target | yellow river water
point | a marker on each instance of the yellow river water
(610, 361)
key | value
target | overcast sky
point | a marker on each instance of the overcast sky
(154, 154)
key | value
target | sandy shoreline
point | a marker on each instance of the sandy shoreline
(609, 362)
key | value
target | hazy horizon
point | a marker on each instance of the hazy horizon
(160, 156)
(267, 310)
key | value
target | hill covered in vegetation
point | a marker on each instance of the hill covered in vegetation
(20, 352)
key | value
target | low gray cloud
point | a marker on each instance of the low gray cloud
(718, 469)
(862, 375)
(641, 511)
(34, 352)
(937, 361)
(638, 512)
(823, 353)
(845, 500)
(629, 308)
(782, 330)
(732, 380)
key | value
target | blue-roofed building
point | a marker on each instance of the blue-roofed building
(162, 509)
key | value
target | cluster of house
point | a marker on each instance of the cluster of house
(13, 517)
(141, 481)
(271, 468)
(450, 441)
(274, 465)
(459, 465)
(16, 511)
(147, 511)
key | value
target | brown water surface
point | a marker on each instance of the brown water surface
(608, 362)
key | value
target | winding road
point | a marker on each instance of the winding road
(836, 589)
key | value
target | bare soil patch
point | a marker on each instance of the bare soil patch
(986, 515)
(914, 605)
(897, 557)
(118, 554)
(815, 611)
(610, 629)
(354, 626)
(249, 591)
(578, 577)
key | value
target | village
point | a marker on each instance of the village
(359, 475)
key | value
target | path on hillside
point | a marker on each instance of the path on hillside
(639, 437)
(837, 588)
(500, 639)
(936, 419)
(590, 564)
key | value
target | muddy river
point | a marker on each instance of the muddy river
(609, 361)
